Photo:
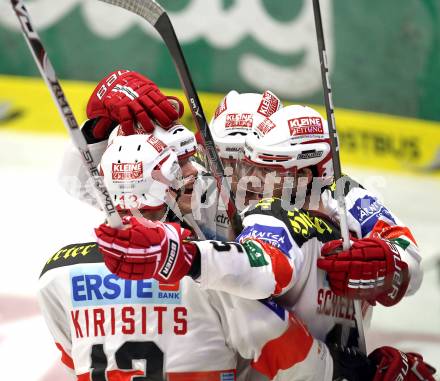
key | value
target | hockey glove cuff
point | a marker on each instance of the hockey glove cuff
(145, 249)
(371, 270)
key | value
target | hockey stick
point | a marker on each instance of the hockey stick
(336, 159)
(48, 73)
(151, 11)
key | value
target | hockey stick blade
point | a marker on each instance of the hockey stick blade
(48, 73)
(151, 11)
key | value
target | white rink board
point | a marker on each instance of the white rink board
(34, 203)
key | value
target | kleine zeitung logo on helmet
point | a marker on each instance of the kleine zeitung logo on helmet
(239, 120)
(221, 107)
(156, 143)
(265, 126)
(306, 125)
(269, 104)
(127, 171)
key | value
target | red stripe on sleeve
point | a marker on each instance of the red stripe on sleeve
(114, 375)
(281, 267)
(65, 358)
(291, 348)
(386, 231)
(123, 375)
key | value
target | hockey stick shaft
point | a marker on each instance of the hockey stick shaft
(328, 99)
(151, 11)
(48, 73)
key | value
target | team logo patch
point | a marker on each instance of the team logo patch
(367, 211)
(239, 120)
(221, 108)
(306, 125)
(255, 254)
(127, 171)
(156, 143)
(274, 235)
(304, 224)
(269, 104)
(265, 126)
(96, 286)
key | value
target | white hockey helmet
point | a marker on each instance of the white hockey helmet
(179, 138)
(294, 137)
(138, 170)
(236, 115)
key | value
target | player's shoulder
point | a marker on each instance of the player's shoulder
(74, 254)
(303, 225)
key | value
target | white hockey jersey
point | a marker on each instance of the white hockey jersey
(300, 235)
(112, 329)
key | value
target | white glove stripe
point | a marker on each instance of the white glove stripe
(127, 91)
(157, 256)
(111, 253)
(151, 250)
(103, 243)
(366, 283)
(187, 260)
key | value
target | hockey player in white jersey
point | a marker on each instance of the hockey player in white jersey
(293, 144)
(300, 143)
(281, 277)
(231, 123)
(108, 328)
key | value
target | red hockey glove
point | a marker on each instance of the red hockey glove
(128, 97)
(145, 249)
(371, 270)
(395, 365)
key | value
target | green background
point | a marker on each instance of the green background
(386, 54)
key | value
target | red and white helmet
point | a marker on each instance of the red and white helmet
(236, 115)
(138, 170)
(179, 138)
(294, 137)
